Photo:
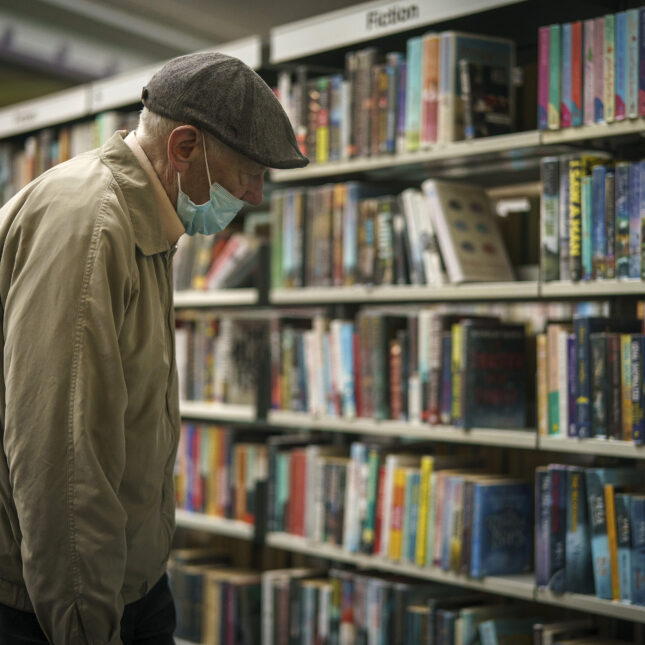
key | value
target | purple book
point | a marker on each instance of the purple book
(543, 78)
(571, 373)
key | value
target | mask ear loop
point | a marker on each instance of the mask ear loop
(208, 172)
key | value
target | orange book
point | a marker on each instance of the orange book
(610, 518)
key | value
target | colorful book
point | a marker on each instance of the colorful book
(632, 64)
(638, 412)
(622, 219)
(620, 103)
(637, 516)
(636, 171)
(542, 526)
(610, 224)
(413, 94)
(555, 66)
(549, 219)
(575, 218)
(587, 227)
(427, 466)
(558, 527)
(599, 70)
(543, 77)
(598, 237)
(626, 386)
(578, 576)
(622, 503)
(641, 57)
(566, 102)
(588, 75)
(576, 74)
(609, 68)
(612, 541)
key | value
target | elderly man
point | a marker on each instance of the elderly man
(89, 405)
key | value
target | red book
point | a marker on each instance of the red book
(395, 379)
(298, 484)
(378, 521)
(576, 73)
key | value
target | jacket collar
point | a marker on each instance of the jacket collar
(139, 195)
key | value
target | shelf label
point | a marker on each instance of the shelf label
(395, 15)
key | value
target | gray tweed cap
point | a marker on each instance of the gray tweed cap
(227, 98)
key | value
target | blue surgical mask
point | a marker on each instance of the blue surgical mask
(214, 215)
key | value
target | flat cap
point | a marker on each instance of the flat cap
(227, 98)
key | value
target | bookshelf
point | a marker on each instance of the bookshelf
(217, 298)
(218, 525)
(221, 412)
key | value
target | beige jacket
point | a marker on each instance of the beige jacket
(89, 406)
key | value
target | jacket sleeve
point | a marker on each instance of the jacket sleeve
(64, 425)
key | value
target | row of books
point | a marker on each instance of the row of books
(446, 86)
(590, 372)
(217, 473)
(221, 605)
(450, 368)
(590, 531)
(344, 234)
(593, 214)
(224, 261)
(217, 356)
(51, 146)
(402, 504)
(215, 603)
(591, 71)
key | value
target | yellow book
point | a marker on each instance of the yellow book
(213, 470)
(427, 466)
(456, 352)
(626, 385)
(542, 388)
(610, 518)
(396, 518)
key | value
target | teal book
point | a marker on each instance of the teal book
(411, 512)
(587, 253)
(413, 94)
(596, 479)
(622, 502)
(555, 62)
(609, 68)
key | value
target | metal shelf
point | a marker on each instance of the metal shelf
(566, 288)
(366, 21)
(595, 131)
(406, 293)
(440, 152)
(218, 525)
(217, 298)
(218, 411)
(479, 436)
(608, 447)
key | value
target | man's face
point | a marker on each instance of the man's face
(241, 176)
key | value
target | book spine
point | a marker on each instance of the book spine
(614, 403)
(447, 67)
(626, 386)
(641, 209)
(612, 541)
(476, 534)
(586, 217)
(565, 84)
(599, 383)
(576, 74)
(638, 422)
(550, 207)
(578, 563)
(588, 75)
(413, 94)
(575, 218)
(542, 527)
(610, 224)
(624, 544)
(609, 68)
(543, 77)
(599, 70)
(396, 523)
(456, 374)
(632, 64)
(583, 389)
(622, 218)
(598, 530)
(427, 463)
(401, 107)
(553, 385)
(621, 66)
(392, 70)
(558, 527)
(641, 61)
(563, 382)
(432, 510)
(637, 515)
(598, 241)
(571, 385)
(368, 526)
(635, 220)
(542, 388)
(563, 219)
(554, 77)
(430, 111)
(335, 117)
(446, 379)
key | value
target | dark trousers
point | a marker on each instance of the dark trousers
(148, 621)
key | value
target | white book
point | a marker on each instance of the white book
(430, 253)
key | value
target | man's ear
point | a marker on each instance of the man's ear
(184, 147)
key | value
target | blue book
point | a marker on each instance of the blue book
(393, 68)
(578, 576)
(621, 66)
(598, 235)
(347, 369)
(566, 101)
(558, 474)
(632, 63)
(571, 384)
(635, 219)
(622, 226)
(411, 516)
(638, 406)
(335, 116)
(502, 528)
(584, 326)
(542, 526)
(586, 204)
(413, 94)
(637, 517)
(350, 232)
(596, 478)
(624, 540)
